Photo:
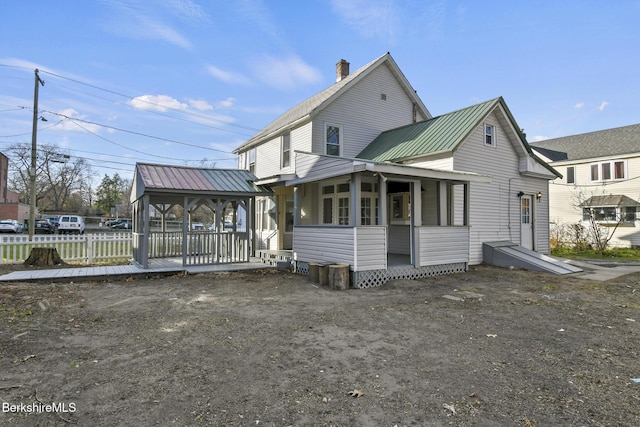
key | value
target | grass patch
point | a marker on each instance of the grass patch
(620, 254)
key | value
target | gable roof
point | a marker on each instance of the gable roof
(313, 105)
(603, 143)
(184, 179)
(440, 134)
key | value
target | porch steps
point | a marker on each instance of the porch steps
(275, 258)
(509, 254)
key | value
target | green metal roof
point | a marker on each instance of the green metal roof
(440, 134)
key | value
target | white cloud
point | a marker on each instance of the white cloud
(226, 103)
(142, 20)
(199, 104)
(187, 9)
(579, 105)
(603, 105)
(285, 72)
(369, 18)
(69, 124)
(160, 103)
(227, 76)
(149, 29)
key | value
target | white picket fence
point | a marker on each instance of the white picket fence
(15, 248)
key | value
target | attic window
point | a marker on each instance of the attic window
(383, 96)
(489, 135)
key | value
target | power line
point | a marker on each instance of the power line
(74, 120)
(129, 97)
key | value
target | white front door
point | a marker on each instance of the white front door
(526, 222)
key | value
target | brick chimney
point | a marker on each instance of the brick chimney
(342, 70)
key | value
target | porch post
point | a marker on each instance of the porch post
(416, 220)
(442, 203)
(356, 217)
(382, 200)
(185, 228)
(146, 229)
(467, 195)
(297, 202)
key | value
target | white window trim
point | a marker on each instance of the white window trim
(574, 174)
(494, 138)
(612, 164)
(335, 196)
(282, 151)
(340, 137)
(249, 162)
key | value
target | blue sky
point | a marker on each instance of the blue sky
(187, 81)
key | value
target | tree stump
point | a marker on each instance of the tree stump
(43, 257)
(314, 272)
(323, 275)
(339, 276)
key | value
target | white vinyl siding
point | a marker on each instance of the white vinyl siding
(433, 252)
(564, 199)
(323, 244)
(495, 207)
(363, 114)
(371, 248)
(339, 245)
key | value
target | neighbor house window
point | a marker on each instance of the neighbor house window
(286, 151)
(489, 135)
(251, 160)
(606, 171)
(610, 214)
(333, 140)
(571, 175)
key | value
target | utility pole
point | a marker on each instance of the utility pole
(32, 171)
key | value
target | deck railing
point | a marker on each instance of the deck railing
(87, 248)
(203, 247)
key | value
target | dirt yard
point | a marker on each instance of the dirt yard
(492, 347)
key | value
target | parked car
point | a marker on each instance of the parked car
(122, 224)
(71, 224)
(10, 226)
(44, 226)
(197, 226)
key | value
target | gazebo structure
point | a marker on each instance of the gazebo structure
(228, 194)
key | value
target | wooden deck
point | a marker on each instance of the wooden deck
(160, 265)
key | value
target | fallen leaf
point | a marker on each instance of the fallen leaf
(356, 393)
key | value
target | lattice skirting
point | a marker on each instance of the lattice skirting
(373, 278)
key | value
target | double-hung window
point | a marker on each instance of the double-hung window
(489, 135)
(251, 160)
(286, 150)
(571, 175)
(335, 204)
(333, 139)
(607, 171)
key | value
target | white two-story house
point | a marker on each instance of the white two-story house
(601, 179)
(362, 174)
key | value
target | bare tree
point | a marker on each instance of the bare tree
(597, 227)
(60, 178)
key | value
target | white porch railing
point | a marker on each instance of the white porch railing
(78, 248)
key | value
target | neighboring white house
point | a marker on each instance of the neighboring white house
(362, 174)
(601, 177)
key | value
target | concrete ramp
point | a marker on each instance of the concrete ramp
(509, 254)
